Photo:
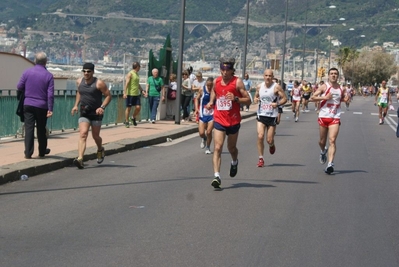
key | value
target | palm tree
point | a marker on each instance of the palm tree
(346, 59)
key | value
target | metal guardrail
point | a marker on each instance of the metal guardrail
(62, 118)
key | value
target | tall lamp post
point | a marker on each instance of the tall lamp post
(304, 42)
(285, 43)
(244, 66)
(180, 65)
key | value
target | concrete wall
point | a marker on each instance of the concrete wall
(11, 68)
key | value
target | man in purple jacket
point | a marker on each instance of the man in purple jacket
(38, 85)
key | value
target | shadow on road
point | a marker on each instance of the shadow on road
(248, 185)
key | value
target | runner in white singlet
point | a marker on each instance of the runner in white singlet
(330, 96)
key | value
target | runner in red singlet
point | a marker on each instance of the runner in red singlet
(330, 96)
(229, 92)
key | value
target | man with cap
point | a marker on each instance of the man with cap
(228, 94)
(89, 102)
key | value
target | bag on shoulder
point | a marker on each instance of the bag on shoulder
(171, 94)
(157, 86)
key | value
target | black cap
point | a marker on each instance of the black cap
(88, 66)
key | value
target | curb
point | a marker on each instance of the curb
(12, 172)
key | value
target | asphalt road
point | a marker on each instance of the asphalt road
(155, 206)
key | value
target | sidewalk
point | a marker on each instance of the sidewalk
(64, 145)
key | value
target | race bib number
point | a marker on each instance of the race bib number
(332, 109)
(383, 99)
(223, 104)
(266, 107)
(207, 112)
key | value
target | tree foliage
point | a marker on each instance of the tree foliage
(368, 67)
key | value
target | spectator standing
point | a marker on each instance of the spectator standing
(154, 90)
(170, 105)
(186, 95)
(248, 86)
(89, 98)
(37, 84)
(132, 94)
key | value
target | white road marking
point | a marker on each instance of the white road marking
(358, 113)
(392, 123)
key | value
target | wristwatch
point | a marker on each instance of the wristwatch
(103, 107)
(236, 99)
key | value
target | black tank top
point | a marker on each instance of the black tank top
(90, 96)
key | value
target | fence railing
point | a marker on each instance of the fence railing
(62, 119)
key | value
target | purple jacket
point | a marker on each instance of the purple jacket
(38, 84)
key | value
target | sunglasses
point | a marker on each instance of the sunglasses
(86, 71)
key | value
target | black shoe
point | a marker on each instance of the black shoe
(134, 121)
(330, 168)
(216, 182)
(78, 163)
(233, 169)
(48, 150)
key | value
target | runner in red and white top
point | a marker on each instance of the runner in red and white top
(228, 94)
(330, 96)
(296, 94)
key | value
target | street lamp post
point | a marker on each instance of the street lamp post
(285, 43)
(244, 67)
(329, 54)
(304, 42)
(180, 65)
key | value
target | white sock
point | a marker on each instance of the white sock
(217, 174)
(234, 162)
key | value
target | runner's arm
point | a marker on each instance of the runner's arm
(316, 96)
(198, 97)
(280, 92)
(256, 97)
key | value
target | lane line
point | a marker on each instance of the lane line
(392, 123)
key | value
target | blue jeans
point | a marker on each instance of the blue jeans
(154, 103)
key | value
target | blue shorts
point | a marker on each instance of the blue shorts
(229, 130)
(206, 119)
(133, 100)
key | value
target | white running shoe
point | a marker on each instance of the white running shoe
(202, 145)
(330, 168)
(208, 151)
(323, 157)
(296, 119)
